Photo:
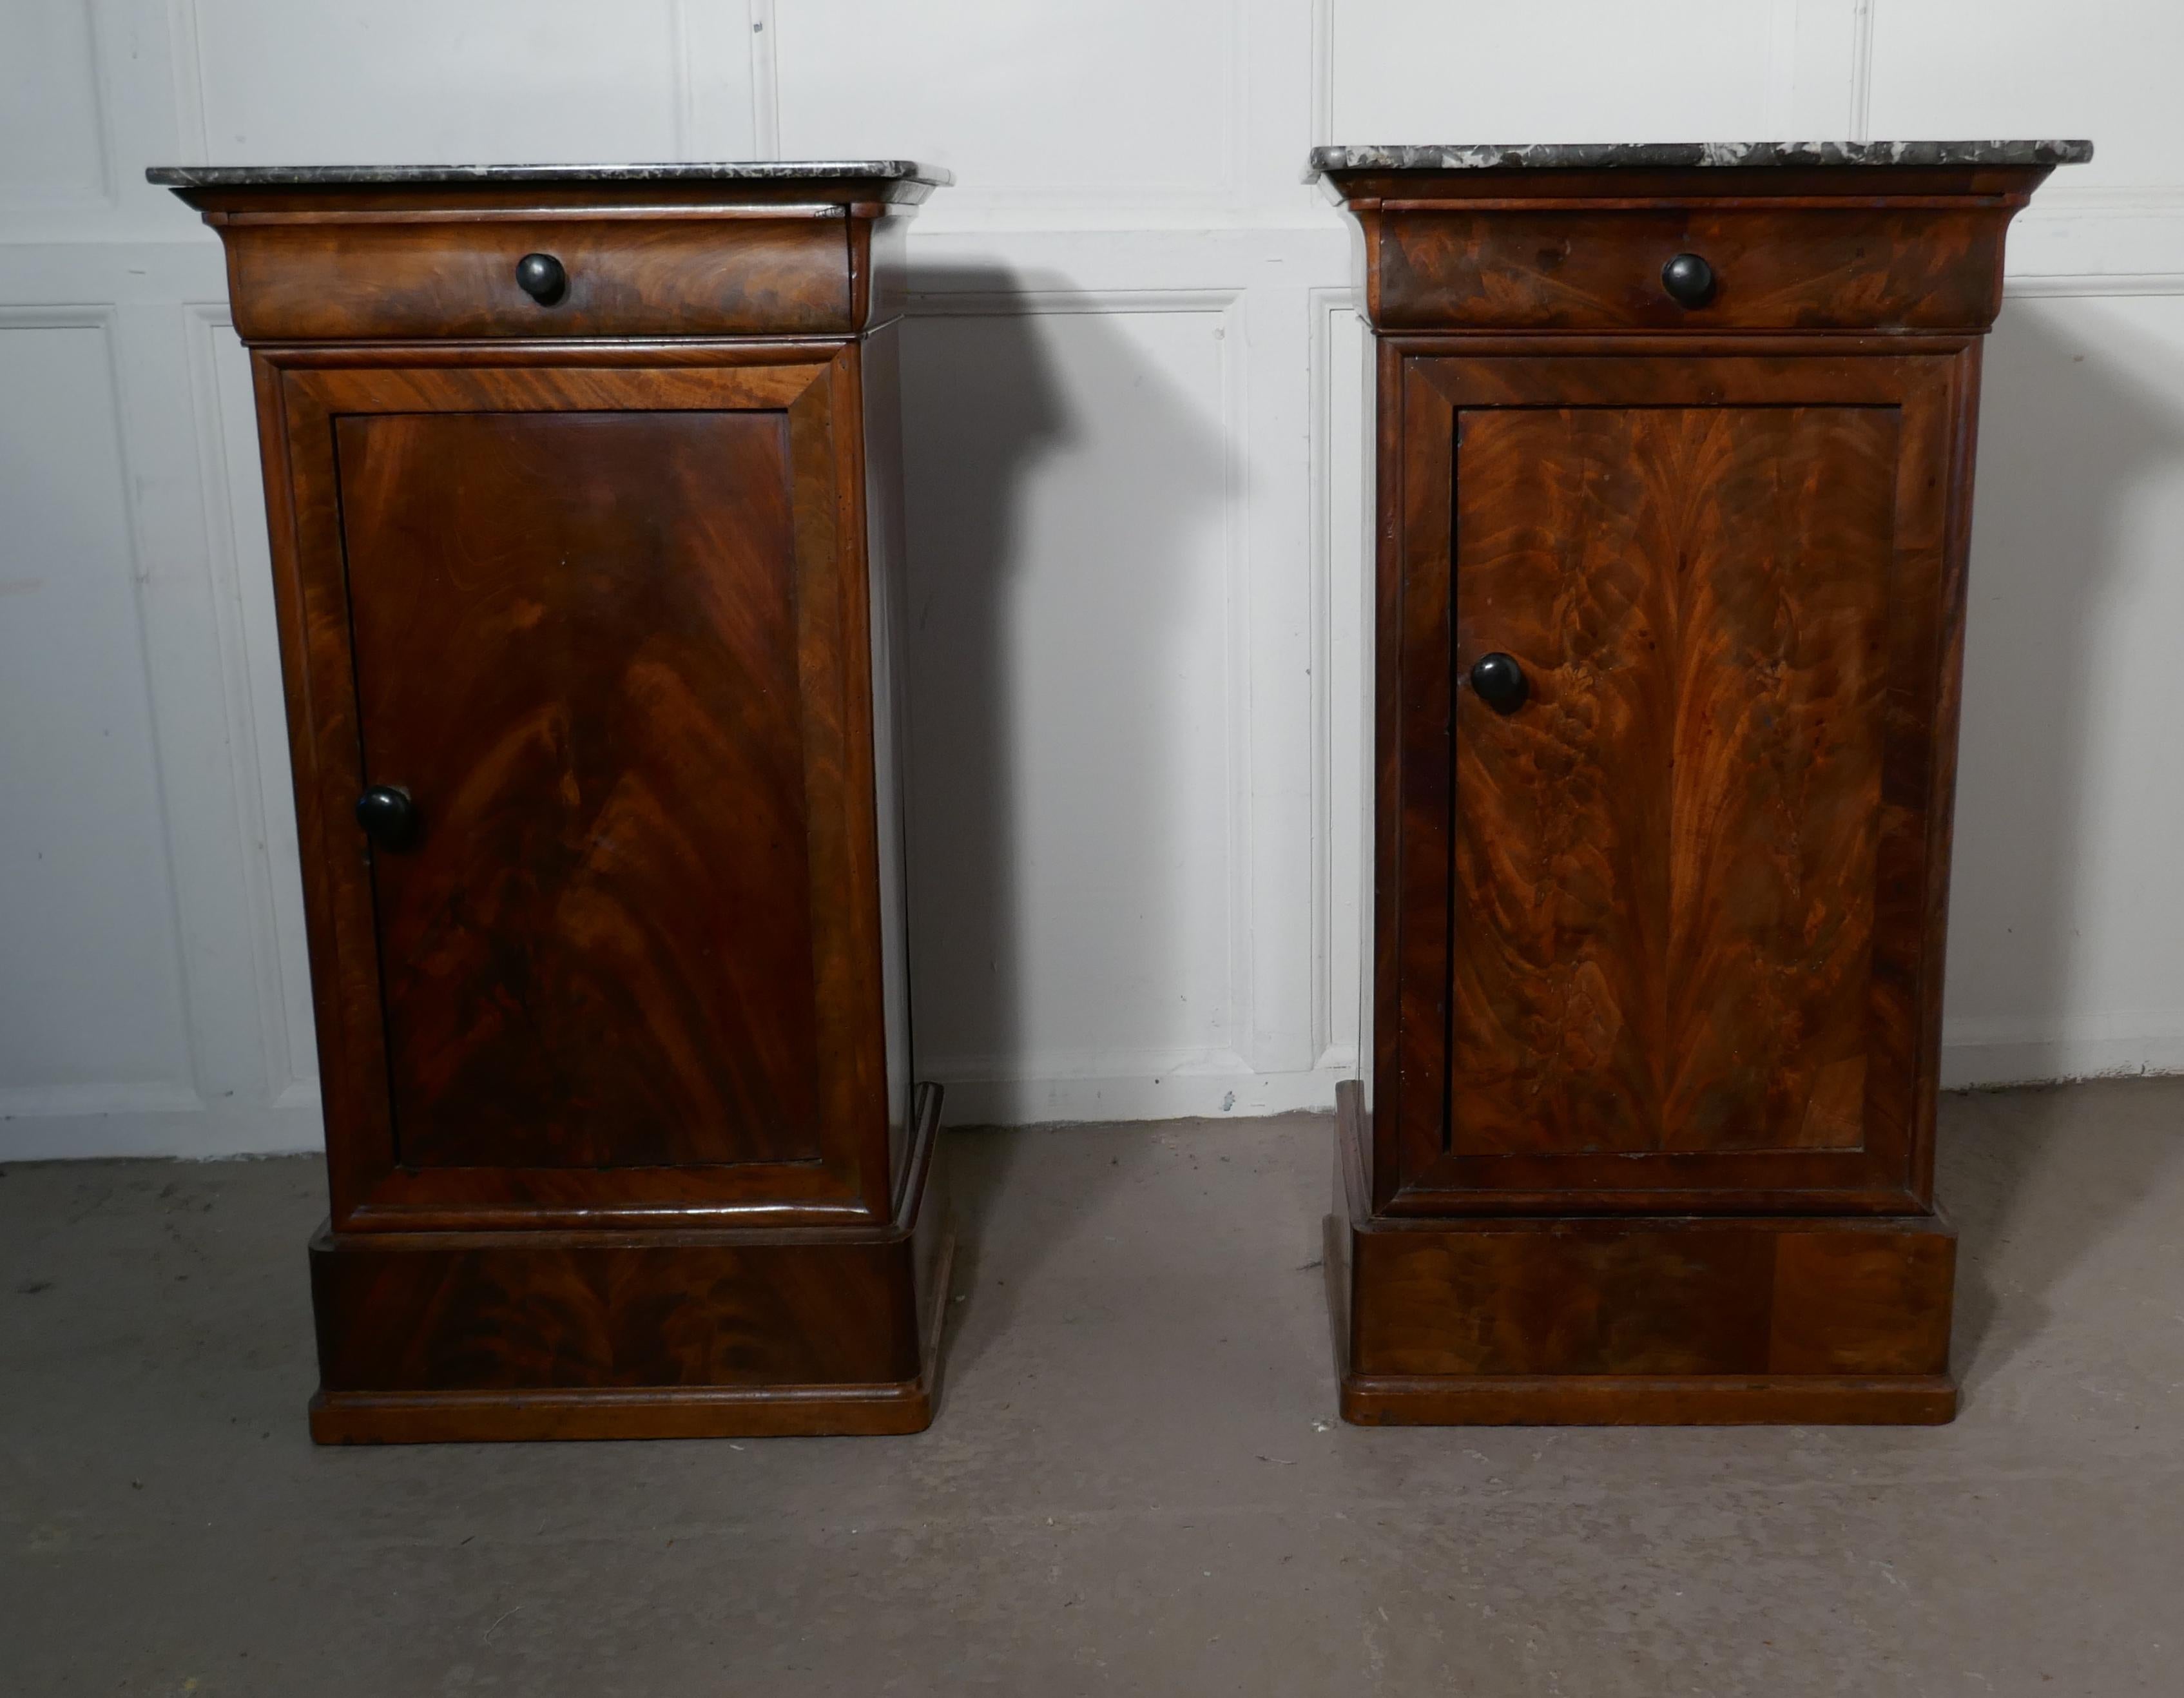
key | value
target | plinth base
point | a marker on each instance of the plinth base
(674, 1334)
(1592, 1320)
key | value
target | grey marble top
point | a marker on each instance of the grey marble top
(1581, 155)
(728, 170)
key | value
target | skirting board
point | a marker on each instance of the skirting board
(214, 1132)
(1976, 1054)
(1981, 1054)
(1194, 1091)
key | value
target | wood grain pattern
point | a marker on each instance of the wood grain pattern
(1603, 900)
(1589, 1319)
(326, 282)
(436, 1337)
(1664, 861)
(803, 257)
(554, 1180)
(1579, 1295)
(575, 647)
(1647, 1129)
(1846, 267)
(619, 1133)
(452, 1311)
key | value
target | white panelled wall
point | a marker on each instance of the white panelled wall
(1135, 497)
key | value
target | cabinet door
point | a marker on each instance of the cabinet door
(1669, 919)
(605, 629)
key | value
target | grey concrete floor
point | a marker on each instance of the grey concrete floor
(1136, 1483)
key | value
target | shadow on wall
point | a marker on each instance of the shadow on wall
(2069, 433)
(1059, 485)
(2080, 415)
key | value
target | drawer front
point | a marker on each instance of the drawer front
(625, 277)
(1852, 268)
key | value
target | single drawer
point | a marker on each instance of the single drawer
(1857, 266)
(357, 277)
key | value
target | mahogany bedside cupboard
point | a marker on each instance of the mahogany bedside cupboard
(582, 485)
(1673, 473)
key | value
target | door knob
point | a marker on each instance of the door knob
(1499, 682)
(1689, 280)
(389, 816)
(541, 276)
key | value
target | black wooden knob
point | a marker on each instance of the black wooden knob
(389, 816)
(1499, 682)
(540, 276)
(1689, 280)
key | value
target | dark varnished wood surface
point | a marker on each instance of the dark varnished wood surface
(432, 1337)
(1629, 1401)
(1892, 248)
(620, 1132)
(1494, 1319)
(659, 724)
(1778, 268)
(627, 276)
(1664, 860)
(1586, 1295)
(816, 256)
(575, 646)
(1659, 939)
(449, 1312)
(1656, 986)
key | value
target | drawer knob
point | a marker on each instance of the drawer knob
(1499, 683)
(389, 816)
(1689, 280)
(541, 276)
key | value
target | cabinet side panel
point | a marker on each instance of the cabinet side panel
(1961, 456)
(1367, 824)
(1383, 616)
(835, 617)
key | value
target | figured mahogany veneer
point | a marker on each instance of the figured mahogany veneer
(1662, 943)
(603, 1335)
(632, 753)
(1734, 651)
(667, 258)
(595, 597)
(1635, 1319)
(1833, 247)
(1646, 1129)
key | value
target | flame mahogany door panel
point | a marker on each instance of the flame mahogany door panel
(596, 624)
(575, 647)
(1665, 921)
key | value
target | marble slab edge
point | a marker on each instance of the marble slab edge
(722, 170)
(1596, 155)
